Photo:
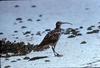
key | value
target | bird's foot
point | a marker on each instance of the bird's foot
(58, 55)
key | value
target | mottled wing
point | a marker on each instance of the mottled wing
(51, 37)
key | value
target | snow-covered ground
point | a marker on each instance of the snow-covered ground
(79, 12)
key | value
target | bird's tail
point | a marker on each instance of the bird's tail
(40, 47)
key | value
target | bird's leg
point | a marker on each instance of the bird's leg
(55, 53)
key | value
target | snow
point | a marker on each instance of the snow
(74, 11)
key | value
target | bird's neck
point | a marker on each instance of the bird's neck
(58, 27)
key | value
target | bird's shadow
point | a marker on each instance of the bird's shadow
(37, 58)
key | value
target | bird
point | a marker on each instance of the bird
(51, 39)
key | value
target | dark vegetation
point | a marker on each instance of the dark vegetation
(15, 48)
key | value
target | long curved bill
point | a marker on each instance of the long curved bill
(67, 23)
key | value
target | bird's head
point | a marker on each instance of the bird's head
(60, 23)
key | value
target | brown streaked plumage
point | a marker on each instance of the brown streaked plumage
(51, 39)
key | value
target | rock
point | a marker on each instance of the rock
(6, 59)
(71, 36)
(13, 35)
(47, 60)
(29, 20)
(68, 31)
(23, 27)
(18, 19)
(47, 29)
(81, 27)
(98, 22)
(90, 28)
(87, 8)
(32, 34)
(18, 59)
(26, 58)
(27, 32)
(79, 34)
(93, 31)
(40, 15)
(8, 66)
(99, 26)
(16, 6)
(33, 6)
(15, 23)
(83, 42)
(76, 28)
(38, 33)
(92, 25)
(13, 61)
(15, 31)
(38, 20)
(16, 37)
(27, 35)
(1, 33)
(73, 32)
